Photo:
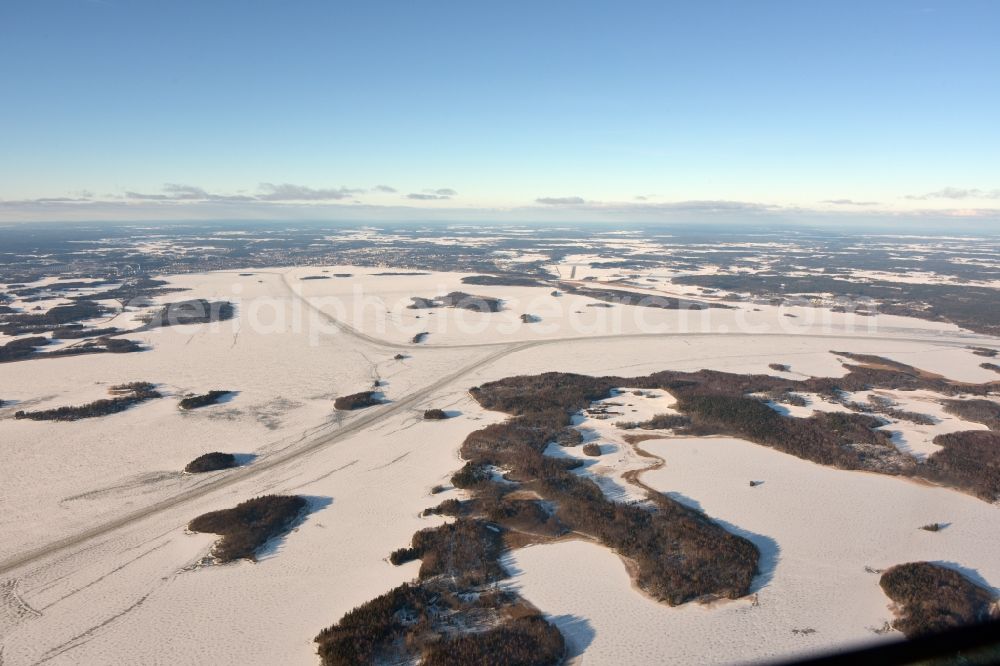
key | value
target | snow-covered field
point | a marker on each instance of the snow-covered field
(817, 529)
(134, 592)
(379, 304)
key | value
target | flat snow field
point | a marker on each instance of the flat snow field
(817, 530)
(96, 566)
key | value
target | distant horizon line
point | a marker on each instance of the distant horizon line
(925, 227)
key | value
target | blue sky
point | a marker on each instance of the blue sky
(514, 110)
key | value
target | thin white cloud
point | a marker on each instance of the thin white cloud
(849, 202)
(421, 196)
(142, 196)
(957, 193)
(175, 192)
(697, 206)
(178, 192)
(185, 192)
(289, 192)
(560, 201)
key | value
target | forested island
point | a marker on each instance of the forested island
(125, 396)
(929, 598)
(211, 462)
(195, 401)
(249, 525)
(357, 400)
(458, 299)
